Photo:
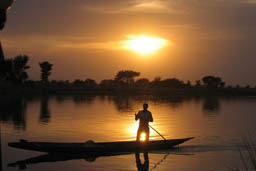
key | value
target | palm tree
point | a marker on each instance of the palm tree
(46, 68)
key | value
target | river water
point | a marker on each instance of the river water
(218, 125)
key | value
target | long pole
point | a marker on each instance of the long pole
(158, 132)
(165, 140)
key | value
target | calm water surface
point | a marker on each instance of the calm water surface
(217, 123)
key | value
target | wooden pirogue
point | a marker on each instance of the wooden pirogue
(93, 147)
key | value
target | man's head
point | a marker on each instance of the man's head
(145, 106)
(4, 6)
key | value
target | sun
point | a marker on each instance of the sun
(144, 44)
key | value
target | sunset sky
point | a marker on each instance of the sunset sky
(87, 38)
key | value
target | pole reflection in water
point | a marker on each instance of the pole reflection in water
(145, 165)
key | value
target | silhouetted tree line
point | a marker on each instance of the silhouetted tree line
(14, 70)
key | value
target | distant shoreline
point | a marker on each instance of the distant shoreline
(9, 89)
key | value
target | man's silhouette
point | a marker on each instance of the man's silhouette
(145, 117)
(145, 165)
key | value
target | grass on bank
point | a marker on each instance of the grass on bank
(248, 156)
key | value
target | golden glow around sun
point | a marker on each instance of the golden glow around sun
(144, 44)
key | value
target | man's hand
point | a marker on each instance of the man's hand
(136, 116)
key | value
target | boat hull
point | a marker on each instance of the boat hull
(123, 146)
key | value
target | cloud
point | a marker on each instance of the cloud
(130, 6)
(160, 6)
(85, 46)
(250, 1)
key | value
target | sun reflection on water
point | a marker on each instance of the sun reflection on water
(143, 136)
(132, 131)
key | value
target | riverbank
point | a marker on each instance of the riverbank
(10, 89)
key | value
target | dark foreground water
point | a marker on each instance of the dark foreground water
(217, 123)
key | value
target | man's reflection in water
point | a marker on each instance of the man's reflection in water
(145, 165)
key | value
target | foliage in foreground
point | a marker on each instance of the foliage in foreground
(248, 156)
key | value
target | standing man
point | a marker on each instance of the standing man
(145, 117)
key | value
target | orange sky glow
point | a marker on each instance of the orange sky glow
(96, 39)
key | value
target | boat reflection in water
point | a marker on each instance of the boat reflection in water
(58, 157)
(52, 158)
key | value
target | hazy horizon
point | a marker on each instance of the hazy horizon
(83, 38)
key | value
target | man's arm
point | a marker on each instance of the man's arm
(136, 116)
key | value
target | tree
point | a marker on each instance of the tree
(78, 82)
(5, 4)
(229, 86)
(156, 82)
(46, 68)
(6, 70)
(90, 83)
(198, 83)
(172, 83)
(1, 54)
(107, 84)
(126, 76)
(19, 68)
(212, 81)
(188, 84)
(157, 79)
(143, 82)
(222, 84)
(14, 70)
